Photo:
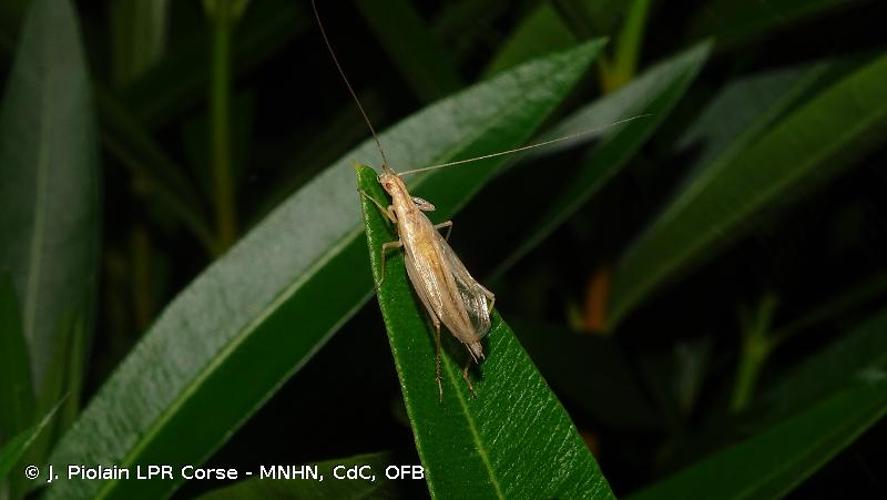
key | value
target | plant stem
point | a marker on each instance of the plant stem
(756, 348)
(621, 69)
(224, 197)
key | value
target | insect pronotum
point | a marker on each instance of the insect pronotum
(450, 295)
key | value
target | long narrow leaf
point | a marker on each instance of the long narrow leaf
(734, 22)
(49, 186)
(18, 446)
(16, 391)
(263, 309)
(415, 50)
(541, 32)
(514, 440)
(816, 141)
(649, 99)
(785, 452)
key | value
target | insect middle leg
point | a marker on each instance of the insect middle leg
(445, 224)
(386, 247)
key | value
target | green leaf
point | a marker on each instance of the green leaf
(265, 27)
(863, 350)
(156, 177)
(783, 454)
(592, 371)
(815, 141)
(49, 167)
(514, 440)
(734, 22)
(13, 451)
(745, 108)
(16, 391)
(17, 401)
(419, 56)
(328, 488)
(276, 297)
(654, 93)
(138, 36)
(463, 24)
(541, 32)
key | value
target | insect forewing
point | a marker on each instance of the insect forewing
(472, 293)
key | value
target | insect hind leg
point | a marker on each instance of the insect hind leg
(436, 322)
(490, 295)
(466, 377)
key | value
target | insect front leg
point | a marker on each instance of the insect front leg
(388, 211)
(445, 224)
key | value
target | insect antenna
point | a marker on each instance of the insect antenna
(524, 148)
(366, 118)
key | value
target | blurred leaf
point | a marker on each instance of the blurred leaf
(603, 16)
(155, 176)
(783, 454)
(195, 132)
(745, 108)
(231, 9)
(49, 169)
(330, 488)
(467, 25)
(791, 391)
(815, 141)
(593, 371)
(16, 448)
(138, 37)
(16, 391)
(278, 295)
(328, 141)
(734, 22)
(11, 13)
(514, 439)
(864, 350)
(539, 33)
(265, 27)
(654, 93)
(64, 380)
(419, 56)
(839, 303)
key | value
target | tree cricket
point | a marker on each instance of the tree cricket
(450, 295)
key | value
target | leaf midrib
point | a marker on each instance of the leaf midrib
(43, 160)
(472, 426)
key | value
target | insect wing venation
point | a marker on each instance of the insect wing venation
(471, 292)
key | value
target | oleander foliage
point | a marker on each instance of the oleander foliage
(689, 292)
